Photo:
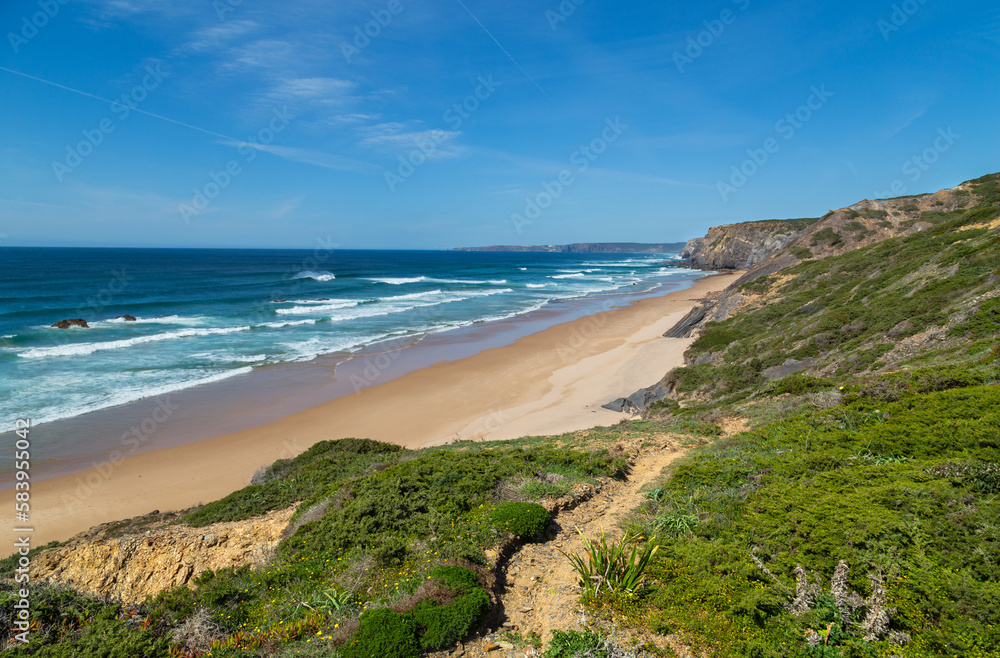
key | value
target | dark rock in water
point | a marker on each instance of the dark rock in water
(74, 322)
(641, 399)
(127, 318)
(278, 301)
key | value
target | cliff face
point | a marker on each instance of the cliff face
(156, 555)
(742, 246)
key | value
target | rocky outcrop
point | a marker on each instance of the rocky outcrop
(156, 555)
(73, 322)
(640, 399)
(127, 318)
(741, 246)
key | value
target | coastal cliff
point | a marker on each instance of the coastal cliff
(765, 249)
(742, 246)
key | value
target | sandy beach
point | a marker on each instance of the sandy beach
(549, 382)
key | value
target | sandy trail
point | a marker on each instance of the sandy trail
(541, 592)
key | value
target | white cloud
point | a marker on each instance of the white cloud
(397, 137)
(218, 36)
(309, 156)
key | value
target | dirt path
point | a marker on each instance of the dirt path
(541, 592)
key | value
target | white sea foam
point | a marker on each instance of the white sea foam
(119, 395)
(567, 276)
(316, 276)
(314, 301)
(309, 310)
(539, 285)
(415, 295)
(398, 281)
(229, 357)
(80, 349)
(290, 323)
(162, 319)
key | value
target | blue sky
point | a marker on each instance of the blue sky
(254, 123)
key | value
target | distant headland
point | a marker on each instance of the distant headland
(589, 248)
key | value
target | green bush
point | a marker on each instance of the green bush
(798, 384)
(291, 480)
(802, 253)
(827, 235)
(384, 633)
(106, 636)
(524, 520)
(444, 625)
(572, 644)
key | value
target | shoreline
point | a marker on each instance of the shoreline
(548, 382)
(272, 392)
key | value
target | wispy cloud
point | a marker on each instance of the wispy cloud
(286, 207)
(309, 156)
(218, 36)
(396, 137)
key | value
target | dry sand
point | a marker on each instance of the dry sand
(550, 382)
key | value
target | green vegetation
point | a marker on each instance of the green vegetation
(378, 528)
(903, 492)
(849, 311)
(324, 466)
(615, 566)
(384, 632)
(827, 235)
(524, 520)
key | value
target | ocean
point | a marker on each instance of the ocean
(206, 315)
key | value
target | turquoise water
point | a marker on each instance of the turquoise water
(207, 315)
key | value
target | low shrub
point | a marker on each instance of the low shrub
(524, 520)
(384, 633)
(571, 644)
